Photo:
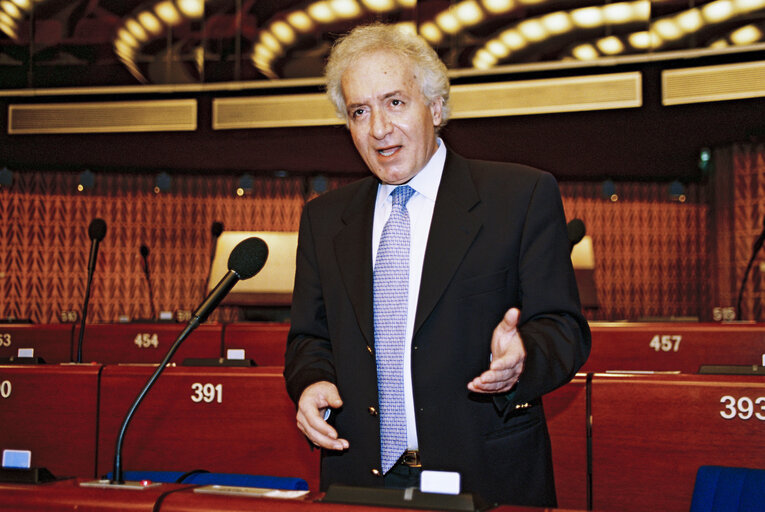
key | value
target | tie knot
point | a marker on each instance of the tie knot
(401, 195)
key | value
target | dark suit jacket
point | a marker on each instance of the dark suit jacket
(497, 239)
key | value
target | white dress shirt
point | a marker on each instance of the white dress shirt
(420, 207)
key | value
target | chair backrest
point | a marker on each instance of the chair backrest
(727, 489)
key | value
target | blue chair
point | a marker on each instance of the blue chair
(726, 489)
(206, 478)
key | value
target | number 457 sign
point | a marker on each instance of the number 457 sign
(666, 342)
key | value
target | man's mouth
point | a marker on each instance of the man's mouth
(388, 151)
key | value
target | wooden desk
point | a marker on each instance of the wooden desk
(224, 420)
(52, 342)
(265, 343)
(652, 432)
(565, 409)
(673, 346)
(52, 411)
(145, 342)
(68, 495)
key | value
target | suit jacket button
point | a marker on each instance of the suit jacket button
(372, 411)
(376, 472)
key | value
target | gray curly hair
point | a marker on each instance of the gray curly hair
(365, 39)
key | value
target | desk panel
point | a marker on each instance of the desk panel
(673, 346)
(68, 495)
(51, 410)
(224, 420)
(652, 432)
(145, 342)
(52, 342)
(566, 412)
(265, 343)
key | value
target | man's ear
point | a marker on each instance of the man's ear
(436, 107)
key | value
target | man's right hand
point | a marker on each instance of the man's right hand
(313, 403)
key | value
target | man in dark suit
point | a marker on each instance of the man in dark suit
(490, 318)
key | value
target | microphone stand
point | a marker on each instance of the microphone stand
(757, 246)
(117, 477)
(91, 268)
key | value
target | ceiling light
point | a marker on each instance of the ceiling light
(585, 52)
(431, 32)
(513, 39)
(468, 12)
(379, 5)
(407, 27)
(300, 21)
(193, 9)
(532, 30)
(557, 22)
(497, 6)
(10, 30)
(497, 48)
(4, 18)
(137, 30)
(321, 12)
(23, 4)
(12, 10)
(167, 12)
(618, 13)
(283, 32)
(587, 17)
(611, 45)
(407, 3)
(270, 42)
(641, 11)
(448, 22)
(345, 8)
(746, 35)
(124, 50)
(640, 40)
(690, 20)
(667, 29)
(748, 5)
(150, 22)
(484, 59)
(720, 43)
(718, 11)
(127, 38)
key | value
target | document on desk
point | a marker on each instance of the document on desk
(253, 492)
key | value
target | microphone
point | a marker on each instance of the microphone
(755, 249)
(576, 231)
(144, 250)
(217, 229)
(246, 260)
(96, 232)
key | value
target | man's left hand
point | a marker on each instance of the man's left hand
(507, 357)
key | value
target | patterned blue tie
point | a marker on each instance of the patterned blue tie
(391, 297)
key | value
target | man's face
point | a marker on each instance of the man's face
(392, 125)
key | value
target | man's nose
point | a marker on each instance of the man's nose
(381, 124)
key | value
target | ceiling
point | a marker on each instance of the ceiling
(87, 43)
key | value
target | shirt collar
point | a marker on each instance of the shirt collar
(426, 181)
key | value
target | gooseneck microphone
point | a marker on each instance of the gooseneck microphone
(246, 260)
(96, 232)
(144, 250)
(576, 232)
(755, 249)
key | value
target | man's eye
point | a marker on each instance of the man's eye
(396, 102)
(357, 112)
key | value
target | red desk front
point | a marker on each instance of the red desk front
(145, 342)
(650, 434)
(51, 410)
(265, 342)
(675, 346)
(68, 495)
(52, 342)
(566, 413)
(223, 420)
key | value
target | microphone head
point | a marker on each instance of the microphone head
(217, 229)
(248, 257)
(97, 229)
(576, 231)
(144, 250)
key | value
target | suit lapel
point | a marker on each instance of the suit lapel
(353, 250)
(456, 222)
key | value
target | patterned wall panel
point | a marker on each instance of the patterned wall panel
(651, 252)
